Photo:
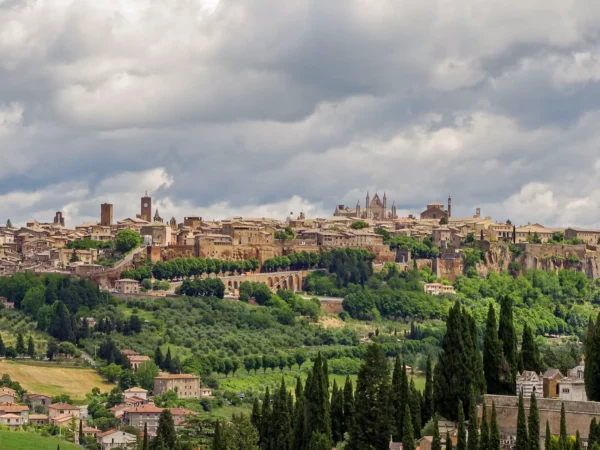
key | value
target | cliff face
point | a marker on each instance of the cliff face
(498, 257)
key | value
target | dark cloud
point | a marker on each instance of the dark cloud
(262, 107)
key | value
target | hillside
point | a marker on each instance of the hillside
(13, 440)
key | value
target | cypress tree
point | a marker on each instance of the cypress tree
(534, 424)
(492, 354)
(459, 363)
(484, 438)
(300, 430)
(461, 443)
(564, 437)
(372, 403)
(217, 443)
(80, 432)
(427, 409)
(530, 354)
(337, 413)
(165, 433)
(145, 438)
(348, 406)
(577, 443)
(548, 437)
(397, 400)
(158, 357)
(449, 445)
(20, 345)
(415, 408)
(281, 420)
(591, 349)
(168, 362)
(522, 442)
(494, 430)
(506, 333)
(473, 435)
(319, 441)
(255, 416)
(593, 434)
(2, 347)
(317, 400)
(436, 443)
(408, 439)
(265, 421)
(30, 347)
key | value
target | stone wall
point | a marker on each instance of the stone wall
(176, 251)
(578, 414)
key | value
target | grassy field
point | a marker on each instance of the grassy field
(19, 440)
(54, 380)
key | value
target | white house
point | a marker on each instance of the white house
(529, 382)
(117, 439)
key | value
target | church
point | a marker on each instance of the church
(375, 209)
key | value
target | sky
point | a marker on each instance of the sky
(265, 108)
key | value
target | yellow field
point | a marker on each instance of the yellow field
(54, 380)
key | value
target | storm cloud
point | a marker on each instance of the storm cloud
(262, 108)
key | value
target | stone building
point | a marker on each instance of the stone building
(127, 286)
(186, 385)
(590, 237)
(436, 211)
(375, 208)
(572, 387)
(160, 233)
(552, 379)
(146, 208)
(106, 214)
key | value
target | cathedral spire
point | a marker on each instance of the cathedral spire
(368, 200)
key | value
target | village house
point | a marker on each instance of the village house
(143, 415)
(91, 431)
(137, 392)
(8, 395)
(206, 393)
(127, 286)
(38, 402)
(112, 439)
(186, 385)
(137, 360)
(438, 288)
(590, 237)
(529, 383)
(11, 420)
(60, 409)
(6, 303)
(38, 420)
(12, 408)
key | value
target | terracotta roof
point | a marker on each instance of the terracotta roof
(65, 406)
(176, 376)
(10, 416)
(181, 412)
(134, 400)
(62, 418)
(144, 409)
(106, 433)
(136, 389)
(88, 429)
(12, 407)
(38, 416)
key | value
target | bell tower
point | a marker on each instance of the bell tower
(146, 208)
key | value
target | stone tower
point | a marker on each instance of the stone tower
(146, 208)
(368, 201)
(59, 219)
(106, 214)
(384, 215)
(449, 206)
(358, 216)
(394, 215)
(157, 217)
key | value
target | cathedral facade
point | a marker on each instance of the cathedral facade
(375, 209)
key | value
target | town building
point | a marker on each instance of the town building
(590, 237)
(375, 209)
(113, 439)
(61, 409)
(8, 395)
(552, 379)
(106, 214)
(142, 415)
(137, 360)
(436, 211)
(572, 387)
(137, 392)
(186, 385)
(39, 420)
(127, 286)
(11, 420)
(13, 408)
(438, 288)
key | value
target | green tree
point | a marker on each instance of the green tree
(400, 397)
(281, 420)
(168, 362)
(473, 434)
(408, 438)
(337, 413)
(34, 299)
(127, 240)
(428, 406)
(577, 443)
(461, 442)
(348, 406)
(145, 437)
(359, 225)
(166, 435)
(373, 412)
(548, 437)
(145, 373)
(564, 437)
(80, 440)
(436, 442)
(484, 438)
(530, 354)
(20, 345)
(591, 349)
(266, 417)
(300, 427)
(494, 430)
(449, 445)
(2, 347)
(217, 443)
(522, 441)
(508, 337)
(415, 408)
(318, 413)
(74, 257)
(319, 441)
(8, 224)
(239, 434)
(534, 424)
(492, 354)
(30, 347)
